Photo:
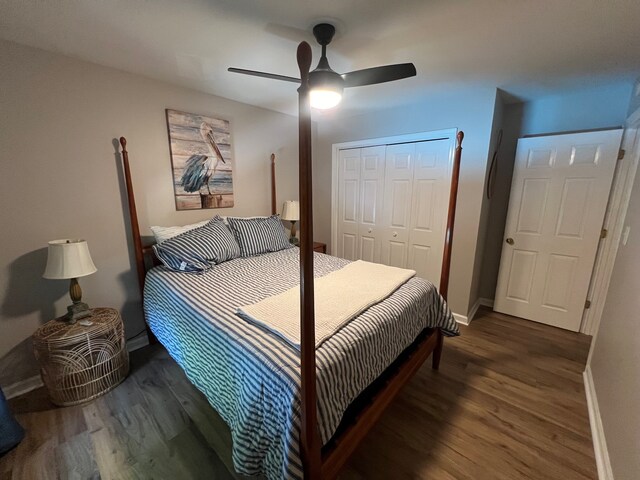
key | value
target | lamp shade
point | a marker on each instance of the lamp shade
(326, 87)
(68, 258)
(291, 211)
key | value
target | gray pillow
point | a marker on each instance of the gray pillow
(199, 249)
(259, 235)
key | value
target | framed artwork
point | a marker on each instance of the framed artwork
(201, 160)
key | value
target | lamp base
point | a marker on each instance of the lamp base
(76, 311)
(294, 241)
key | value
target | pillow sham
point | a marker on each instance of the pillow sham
(259, 235)
(198, 249)
(165, 233)
(224, 217)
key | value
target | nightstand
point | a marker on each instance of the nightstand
(81, 361)
(320, 247)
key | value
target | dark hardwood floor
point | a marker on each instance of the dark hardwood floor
(507, 403)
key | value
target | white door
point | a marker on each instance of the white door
(396, 213)
(372, 162)
(348, 203)
(558, 200)
(429, 208)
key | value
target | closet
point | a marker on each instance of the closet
(390, 203)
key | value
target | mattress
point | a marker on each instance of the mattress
(251, 376)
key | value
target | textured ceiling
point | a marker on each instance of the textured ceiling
(529, 48)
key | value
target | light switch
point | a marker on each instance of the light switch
(625, 234)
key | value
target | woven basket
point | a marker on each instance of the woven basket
(79, 363)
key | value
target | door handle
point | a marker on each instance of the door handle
(369, 231)
(510, 241)
(395, 234)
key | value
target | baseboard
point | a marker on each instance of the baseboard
(467, 319)
(486, 302)
(597, 432)
(474, 310)
(461, 319)
(137, 342)
(23, 386)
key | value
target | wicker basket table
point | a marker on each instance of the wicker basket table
(79, 363)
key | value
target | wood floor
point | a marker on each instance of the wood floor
(507, 403)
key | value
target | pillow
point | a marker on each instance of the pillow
(165, 233)
(223, 217)
(179, 264)
(200, 248)
(259, 235)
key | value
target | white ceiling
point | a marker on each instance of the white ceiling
(529, 48)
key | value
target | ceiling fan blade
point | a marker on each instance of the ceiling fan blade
(371, 76)
(272, 76)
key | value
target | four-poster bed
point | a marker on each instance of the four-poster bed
(321, 457)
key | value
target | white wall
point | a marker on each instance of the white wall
(483, 231)
(471, 111)
(60, 176)
(584, 109)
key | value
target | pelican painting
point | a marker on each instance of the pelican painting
(201, 160)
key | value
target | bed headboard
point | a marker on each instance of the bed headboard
(145, 257)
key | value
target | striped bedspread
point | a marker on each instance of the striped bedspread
(251, 376)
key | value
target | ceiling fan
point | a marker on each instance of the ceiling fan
(326, 85)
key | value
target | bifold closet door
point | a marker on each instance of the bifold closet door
(360, 190)
(415, 206)
(348, 203)
(392, 205)
(429, 206)
(396, 213)
(372, 171)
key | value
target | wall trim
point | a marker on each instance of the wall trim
(597, 431)
(460, 318)
(25, 386)
(474, 309)
(614, 222)
(137, 342)
(486, 302)
(467, 319)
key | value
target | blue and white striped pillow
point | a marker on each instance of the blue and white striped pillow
(199, 249)
(259, 235)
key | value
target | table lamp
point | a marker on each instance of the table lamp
(291, 212)
(70, 259)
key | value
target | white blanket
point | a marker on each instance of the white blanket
(340, 296)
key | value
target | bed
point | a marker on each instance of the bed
(252, 377)
(293, 412)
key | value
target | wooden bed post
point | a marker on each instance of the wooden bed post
(274, 206)
(309, 434)
(135, 231)
(448, 240)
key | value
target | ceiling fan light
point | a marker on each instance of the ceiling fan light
(324, 98)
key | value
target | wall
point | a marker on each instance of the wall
(634, 104)
(585, 109)
(60, 176)
(471, 111)
(497, 125)
(615, 356)
(499, 202)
